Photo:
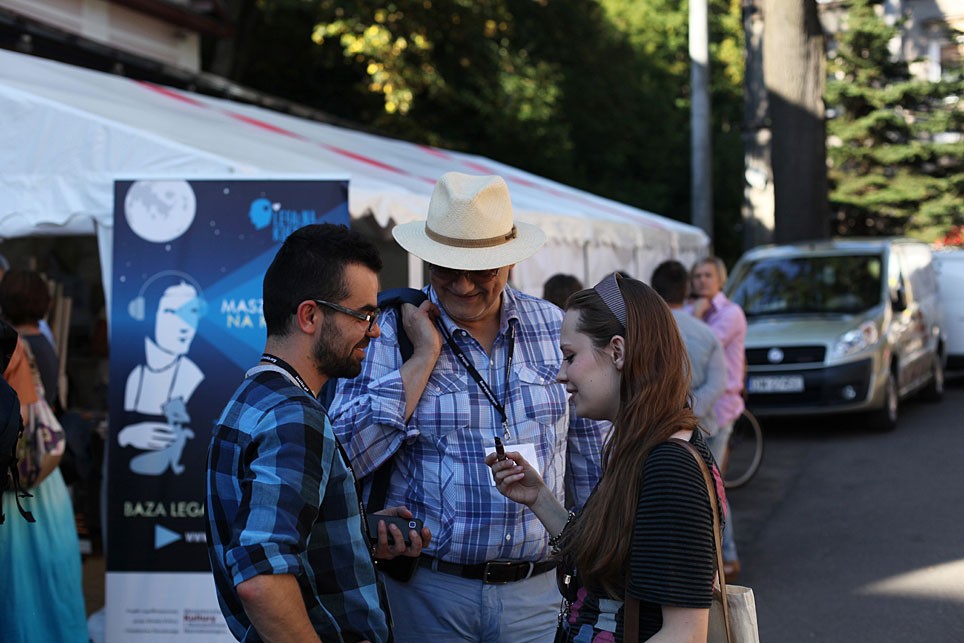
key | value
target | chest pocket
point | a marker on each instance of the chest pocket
(539, 399)
(444, 406)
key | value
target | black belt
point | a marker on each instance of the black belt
(494, 572)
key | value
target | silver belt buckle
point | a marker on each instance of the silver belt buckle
(493, 565)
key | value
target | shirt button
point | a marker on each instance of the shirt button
(508, 537)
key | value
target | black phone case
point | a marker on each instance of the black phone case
(404, 525)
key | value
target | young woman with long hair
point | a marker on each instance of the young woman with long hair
(647, 529)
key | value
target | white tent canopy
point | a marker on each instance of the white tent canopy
(67, 133)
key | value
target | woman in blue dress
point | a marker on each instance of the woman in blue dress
(43, 599)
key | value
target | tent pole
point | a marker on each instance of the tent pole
(415, 272)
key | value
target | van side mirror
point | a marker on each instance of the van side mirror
(898, 300)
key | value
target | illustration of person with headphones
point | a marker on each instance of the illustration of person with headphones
(164, 383)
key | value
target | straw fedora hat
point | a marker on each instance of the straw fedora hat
(469, 226)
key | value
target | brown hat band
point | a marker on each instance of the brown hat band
(471, 243)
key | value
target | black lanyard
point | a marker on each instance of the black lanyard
(288, 368)
(470, 367)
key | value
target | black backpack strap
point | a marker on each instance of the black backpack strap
(393, 298)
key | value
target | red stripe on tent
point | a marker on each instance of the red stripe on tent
(264, 125)
(434, 151)
(364, 159)
(282, 131)
(370, 161)
(164, 91)
(479, 167)
(170, 93)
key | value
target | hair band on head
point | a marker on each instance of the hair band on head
(608, 290)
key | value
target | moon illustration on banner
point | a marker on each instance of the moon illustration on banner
(160, 211)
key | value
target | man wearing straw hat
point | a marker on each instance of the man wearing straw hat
(483, 371)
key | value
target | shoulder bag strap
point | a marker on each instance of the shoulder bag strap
(714, 504)
(630, 618)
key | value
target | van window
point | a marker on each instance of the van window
(919, 268)
(810, 285)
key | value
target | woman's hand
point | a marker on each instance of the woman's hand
(385, 551)
(515, 478)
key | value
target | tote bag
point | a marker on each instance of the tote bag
(742, 612)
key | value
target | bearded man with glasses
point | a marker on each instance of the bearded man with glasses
(483, 369)
(287, 535)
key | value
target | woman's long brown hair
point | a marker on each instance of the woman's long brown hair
(653, 406)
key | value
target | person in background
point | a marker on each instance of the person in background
(558, 287)
(40, 561)
(486, 372)
(286, 531)
(25, 301)
(42, 325)
(647, 529)
(728, 323)
(707, 364)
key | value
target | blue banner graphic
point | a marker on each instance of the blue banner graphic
(186, 322)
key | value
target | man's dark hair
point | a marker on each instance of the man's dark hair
(670, 280)
(24, 297)
(558, 288)
(311, 265)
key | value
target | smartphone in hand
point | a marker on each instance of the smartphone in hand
(405, 525)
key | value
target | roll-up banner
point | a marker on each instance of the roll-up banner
(189, 257)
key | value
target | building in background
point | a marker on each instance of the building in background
(927, 41)
(156, 37)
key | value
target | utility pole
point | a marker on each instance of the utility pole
(701, 149)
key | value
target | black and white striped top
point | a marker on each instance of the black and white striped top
(672, 561)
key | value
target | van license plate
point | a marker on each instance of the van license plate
(775, 384)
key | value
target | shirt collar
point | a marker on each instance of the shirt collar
(719, 299)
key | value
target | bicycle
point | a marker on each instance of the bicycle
(745, 452)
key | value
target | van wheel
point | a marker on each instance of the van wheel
(885, 419)
(934, 391)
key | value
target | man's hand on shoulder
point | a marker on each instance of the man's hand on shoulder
(420, 327)
(426, 341)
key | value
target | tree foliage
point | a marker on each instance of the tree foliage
(591, 93)
(895, 154)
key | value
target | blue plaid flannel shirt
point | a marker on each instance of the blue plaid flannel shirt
(281, 500)
(439, 470)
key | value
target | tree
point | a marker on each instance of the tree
(593, 94)
(895, 152)
(794, 72)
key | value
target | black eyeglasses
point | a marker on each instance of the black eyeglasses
(450, 274)
(371, 317)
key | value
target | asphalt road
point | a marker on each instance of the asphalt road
(849, 535)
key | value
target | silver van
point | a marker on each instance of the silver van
(840, 326)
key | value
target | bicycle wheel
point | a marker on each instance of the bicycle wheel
(746, 451)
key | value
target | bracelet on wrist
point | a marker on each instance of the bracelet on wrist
(554, 540)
